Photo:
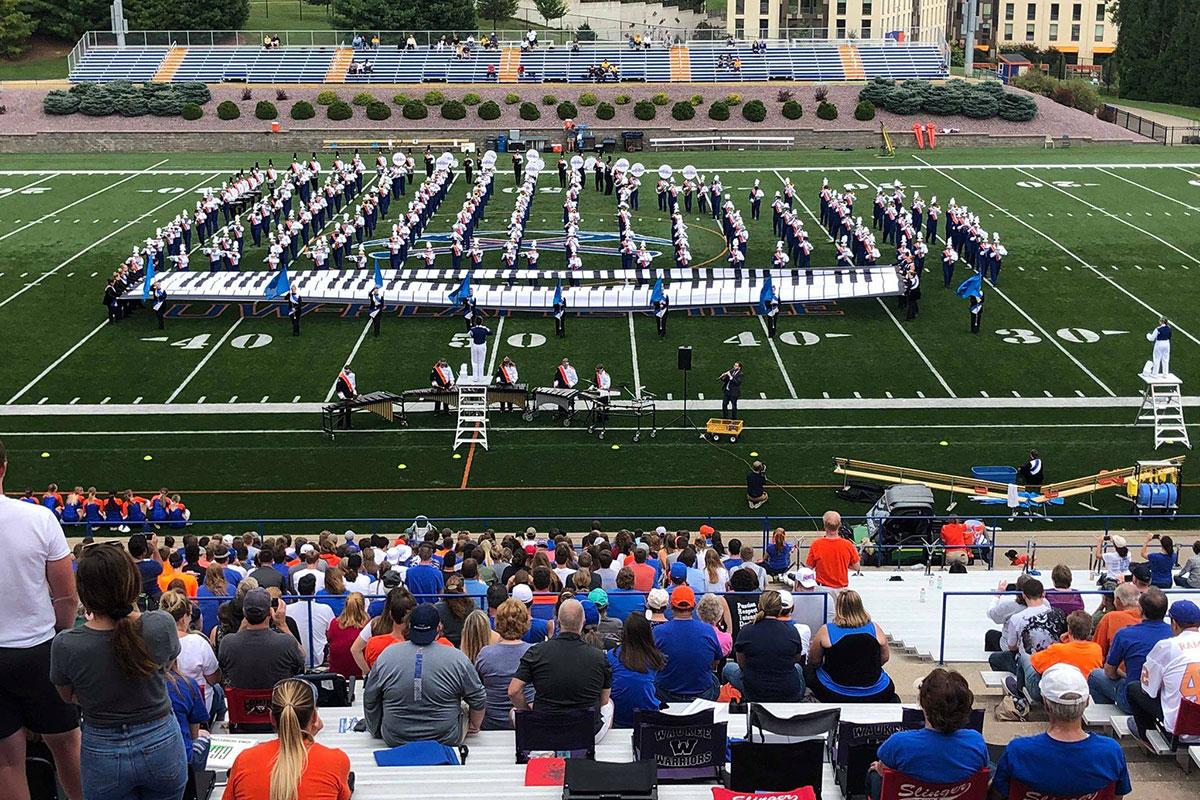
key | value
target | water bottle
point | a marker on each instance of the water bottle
(939, 581)
(922, 594)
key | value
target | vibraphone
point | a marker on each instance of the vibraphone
(608, 405)
(563, 401)
(337, 416)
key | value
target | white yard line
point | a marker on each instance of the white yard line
(787, 379)
(637, 373)
(1146, 188)
(491, 368)
(56, 362)
(99, 242)
(203, 361)
(16, 192)
(349, 358)
(80, 200)
(1158, 314)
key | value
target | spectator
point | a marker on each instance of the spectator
(545, 599)
(497, 664)
(566, 673)
(187, 704)
(425, 579)
(454, 609)
(954, 542)
(1004, 605)
(112, 667)
(37, 594)
(713, 612)
(1161, 562)
(691, 650)
(389, 628)
(312, 619)
(476, 634)
(1027, 632)
(539, 629)
(1189, 575)
(1064, 761)
(735, 555)
(770, 653)
(635, 666)
(645, 577)
(608, 628)
(1076, 649)
(947, 749)
(1127, 612)
(343, 632)
(847, 655)
(398, 713)
(173, 571)
(196, 660)
(656, 606)
(778, 554)
(831, 556)
(748, 564)
(472, 585)
(1063, 597)
(1127, 653)
(210, 595)
(1171, 667)
(266, 574)
(257, 657)
(310, 564)
(715, 578)
(625, 599)
(149, 564)
(1115, 562)
(353, 577)
(299, 766)
(333, 595)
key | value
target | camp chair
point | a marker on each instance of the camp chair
(1019, 791)
(249, 710)
(688, 748)
(592, 780)
(917, 717)
(555, 731)
(799, 793)
(897, 785)
(821, 724)
(856, 746)
(333, 690)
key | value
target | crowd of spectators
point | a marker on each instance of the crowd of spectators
(122, 510)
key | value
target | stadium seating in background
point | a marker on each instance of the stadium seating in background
(113, 64)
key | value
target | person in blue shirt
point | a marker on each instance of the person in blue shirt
(539, 629)
(691, 648)
(946, 750)
(735, 559)
(1064, 761)
(778, 554)
(471, 583)
(425, 579)
(1162, 562)
(187, 702)
(635, 666)
(1129, 647)
(334, 594)
(624, 600)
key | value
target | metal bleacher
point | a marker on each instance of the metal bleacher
(910, 61)
(255, 64)
(115, 64)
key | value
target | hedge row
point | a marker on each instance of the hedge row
(126, 98)
(973, 100)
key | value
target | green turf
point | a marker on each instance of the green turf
(1067, 321)
(1187, 112)
(287, 15)
(33, 69)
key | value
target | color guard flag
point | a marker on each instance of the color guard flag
(378, 275)
(971, 287)
(463, 291)
(279, 285)
(149, 277)
(657, 293)
(558, 293)
(766, 295)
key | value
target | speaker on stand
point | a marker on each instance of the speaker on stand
(684, 362)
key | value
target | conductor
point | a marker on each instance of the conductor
(731, 379)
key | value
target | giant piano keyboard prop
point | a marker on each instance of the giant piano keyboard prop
(337, 416)
(533, 290)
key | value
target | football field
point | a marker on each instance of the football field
(1101, 242)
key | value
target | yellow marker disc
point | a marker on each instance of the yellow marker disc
(616, 447)
(753, 454)
(457, 455)
(944, 443)
(45, 455)
(402, 466)
(147, 458)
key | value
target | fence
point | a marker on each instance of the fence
(1163, 134)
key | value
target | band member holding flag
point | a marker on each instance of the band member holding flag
(565, 376)
(294, 310)
(375, 307)
(559, 311)
(660, 302)
(507, 377)
(768, 305)
(971, 290)
(462, 297)
(160, 301)
(441, 377)
(346, 385)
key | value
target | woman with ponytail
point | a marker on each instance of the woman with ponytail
(113, 668)
(300, 769)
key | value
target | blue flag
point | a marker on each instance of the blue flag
(149, 276)
(971, 287)
(766, 295)
(558, 293)
(279, 285)
(657, 293)
(378, 275)
(463, 291)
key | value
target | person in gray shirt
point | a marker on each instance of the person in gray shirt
(416, 689)
(1189, 574)
(257, 657)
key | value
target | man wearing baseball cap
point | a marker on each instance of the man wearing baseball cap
(692, 652)
(1064, 761)
(258, 657)
(418, 688)
(1171, 665)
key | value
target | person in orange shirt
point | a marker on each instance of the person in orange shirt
(644, 575)
(172, 570)
(831, 556)
(1076, 649)
(293, 765)
(1128, 612)
(954, 539)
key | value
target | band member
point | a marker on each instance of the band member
(565, 376)
(603, 386)
(731, 381)
(160, 301)
(772, 316)
(375, 307)
(949, 259)
(441, 378)
(346, 385)
(660, 314)
(478, 333)
(975, 308)
(468, 311)
(1160, 361)
(912, 291)
(560, 313)
(756, 196)
(507, 377)
(428, 255)
(293, 303)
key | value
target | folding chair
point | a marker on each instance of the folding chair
(855, 746)
(593, 780)
(689, 749)
(333, 690)
(249, 710)
(775, 766)
(822, 723)
(556, 732)
(1019, 791)
(1187, 722)
(897, 785)
(917, 716)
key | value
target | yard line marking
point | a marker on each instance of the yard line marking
(265, 397)
(42, 402)
(637, 373)
(699, 395)
(137, 399)
(1053, 241)
(74, 400)
(56, 362)
(349, 359)
(787, 379)
(204, 361)
(491, 369)
(104, 402)
(296, 399)
(201, 399)
(233, 399)
(15, 192)
(72, 204)
(97, 243)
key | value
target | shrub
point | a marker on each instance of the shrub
(280, 95)
(327, 98)
(622, 99)
(96, 104)
(489, 110)
(588, 99)
(783, 95)
(696, 100)
(228, 110)
(902, 101)
(981, 105)
(166, 103)
(876, 91)
(942, 100)
(645, 110)
(549, 100)
(511, 99)
(362, 99)
(1087, 99)
(1017, 107)
(792, 110)
(452, 109)
(918, 85)
(718, 111)
(994, 88)
(471, 99)
(660, 99)
(754, 111)
(605, 111)
(247, 94)
(821, 93)
(400, 98)
(683, 111)
(131, 105)
(302, 109)
(529, 112)
(378, 111)
(415, 109)
(191, 111)
(265, 110)
(59, 103)
(733, 99)
(434, 98)
(864, 111)
(1035, 81)
(1063, 95)
(826, 110)
(193, 92)
(84, 87)
(339, 110)
(567, 110)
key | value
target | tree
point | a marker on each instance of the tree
(164, 15)
(551, 9)
(15, 29)
(427, 15)
(497, 10)
(67, 19)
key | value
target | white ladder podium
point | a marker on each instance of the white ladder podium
(1162, 406)
(472, 415)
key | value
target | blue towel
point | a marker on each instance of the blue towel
(418, 754)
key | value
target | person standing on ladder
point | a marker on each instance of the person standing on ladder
(1160, 361)
(478, 332)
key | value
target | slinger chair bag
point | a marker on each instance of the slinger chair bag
(1019, 791)
(571, 732)
(249, 710)
(689, 749)
(898, 786)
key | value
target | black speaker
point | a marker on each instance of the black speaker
(685, 358)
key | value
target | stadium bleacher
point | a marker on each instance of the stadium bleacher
(255, 64)
(115, 64)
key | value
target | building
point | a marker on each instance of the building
(910, 20)
(1082, 30)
